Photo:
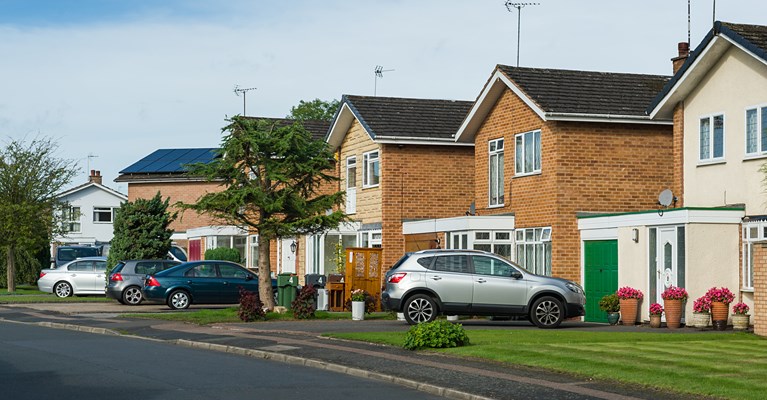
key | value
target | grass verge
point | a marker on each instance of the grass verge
(225, 315)
(728, 365)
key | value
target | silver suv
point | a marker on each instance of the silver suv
(469, 282)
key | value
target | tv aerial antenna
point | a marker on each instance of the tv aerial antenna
(519, 6)
(665, 199)
(378, 74)
(244, 91)
(89, 157)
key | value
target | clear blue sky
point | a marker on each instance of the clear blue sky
(120, 79)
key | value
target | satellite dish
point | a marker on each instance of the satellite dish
(665, 198)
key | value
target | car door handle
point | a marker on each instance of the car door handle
(226, 283)
(189, 282)
(481, 280)
(436, 278)
(73, 275)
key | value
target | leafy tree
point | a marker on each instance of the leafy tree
(30, 178)
(272, 177)
(314, 109)
(141, 230)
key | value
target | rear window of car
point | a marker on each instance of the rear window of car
(454, 263)
(400, 261)
(81, 266)
(425, 261)
(118, 267)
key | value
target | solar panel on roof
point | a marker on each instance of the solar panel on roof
(170, 160)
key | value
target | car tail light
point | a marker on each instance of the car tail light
(395, 278)
(116, 277)
(151, 281)
(42, 274)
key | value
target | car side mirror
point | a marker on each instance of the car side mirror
(516, 274)
(248, 277)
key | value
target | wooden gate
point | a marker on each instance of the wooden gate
(363, 271)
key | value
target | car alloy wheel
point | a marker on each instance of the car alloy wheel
(419, 309)
(132, 296)
(547, 312)
(179, 300)
(63, 289)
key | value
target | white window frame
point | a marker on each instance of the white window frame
(710, 158)
(112, 212)
(520, 160)
(370, 238)
(537, 241)
(73, 218)
(351, 161)
(752, 232)
(367, 168)
(494, 240)
(761, 130)
(495, 151)
(252, 251)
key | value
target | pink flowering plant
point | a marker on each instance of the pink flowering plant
(740, 309)
(626, 292)
(656, 309)
(674, 293)
(359, 295)
(701, 305)
(723, 295)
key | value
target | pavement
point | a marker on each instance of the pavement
(300, 342)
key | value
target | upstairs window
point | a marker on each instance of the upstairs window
(71, 220)
(371, 171)
(527, 150)
(103, 214)
(756, 131)
(495, 159)
(712, 138)
(351, 172)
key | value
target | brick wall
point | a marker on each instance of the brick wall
(422, 182)
(599, 167)
(678, 150)
(759, 312)
(187, 192)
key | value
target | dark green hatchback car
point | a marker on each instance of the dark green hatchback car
(199, 282)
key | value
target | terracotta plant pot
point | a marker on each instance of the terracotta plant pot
(673, 310)
(629, 311)
(719, 315)
(740, 321)
(654, 321)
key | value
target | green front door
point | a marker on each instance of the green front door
(601, 275)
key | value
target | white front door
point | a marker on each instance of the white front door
(288, 259)
(666, 264)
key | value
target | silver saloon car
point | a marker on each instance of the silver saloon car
(82, 276)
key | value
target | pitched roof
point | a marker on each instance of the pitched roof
(566, 95)
(400, 120)
(750, 38)
(317, 128)
(93, 184)
(171, 161)
(586, 92)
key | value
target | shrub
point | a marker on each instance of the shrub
(223, 253)
(370, 301)
(610, 303)
(435, 334)
(626, 292)
(251, 307)
(304, 305)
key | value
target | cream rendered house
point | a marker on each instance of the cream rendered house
(705, 238)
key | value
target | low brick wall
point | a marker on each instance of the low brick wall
(760, 289)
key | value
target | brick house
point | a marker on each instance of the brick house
(713, 233)
(577, 142)
(164, 171)
(398, 161)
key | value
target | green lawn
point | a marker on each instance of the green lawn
(223, 315)
(729, 365)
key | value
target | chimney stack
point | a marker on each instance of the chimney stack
(684, 52)
(95, 177)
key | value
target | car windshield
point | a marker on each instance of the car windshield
(71, 253)
(178, 253)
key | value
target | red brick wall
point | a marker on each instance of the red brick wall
(187, 192)
(678, 149)
(599, 167)
(760, 289)
(421, 182)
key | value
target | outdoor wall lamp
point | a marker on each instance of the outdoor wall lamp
(635, 235)
(293, 246)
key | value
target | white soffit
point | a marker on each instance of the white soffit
(671, 217)
(219, 230)
(467, 223)
(341, 126)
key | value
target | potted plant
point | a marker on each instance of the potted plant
(629, 304)
(358, 304)
(611, 305)
(701, 312)
(740, 317)
(656, 310)
(720, 299)
(674, 298)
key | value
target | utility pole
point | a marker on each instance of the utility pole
(519, 7)
(244, 91)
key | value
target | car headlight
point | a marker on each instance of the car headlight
(574, 287)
